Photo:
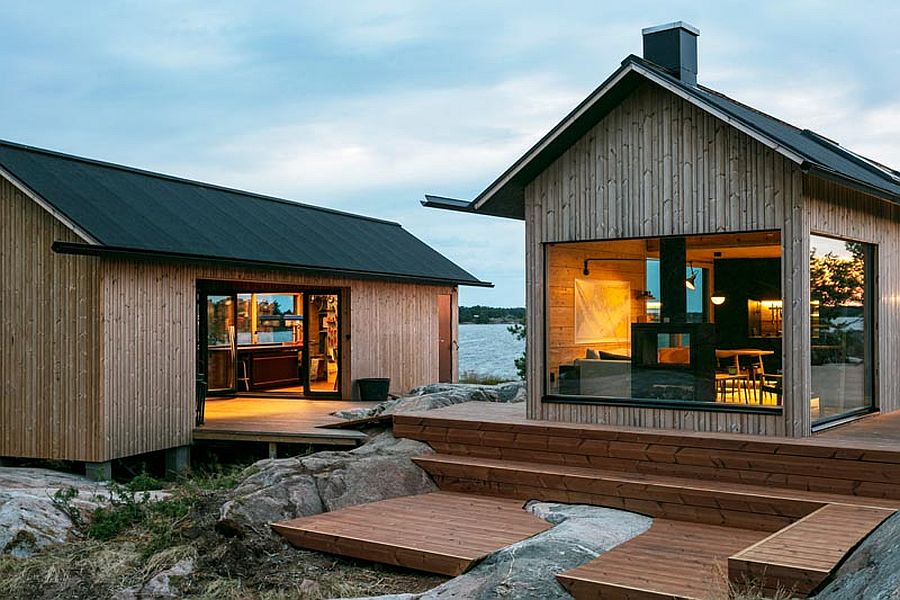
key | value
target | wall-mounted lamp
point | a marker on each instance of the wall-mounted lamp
(690, 282)
(718, 298)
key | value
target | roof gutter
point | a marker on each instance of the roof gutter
(77, 249)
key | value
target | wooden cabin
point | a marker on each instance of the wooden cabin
(130, 298)
(696, 264)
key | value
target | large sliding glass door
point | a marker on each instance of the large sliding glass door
(841, 328)
(271, 340)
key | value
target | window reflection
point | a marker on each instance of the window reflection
(839, 328)
(667, 319)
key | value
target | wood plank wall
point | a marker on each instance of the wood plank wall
(149, 340)
(656, 165)
(841, 212)
(49, 349)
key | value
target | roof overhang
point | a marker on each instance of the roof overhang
(139, 254)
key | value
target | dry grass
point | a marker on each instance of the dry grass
(723, 589)
(249, 566)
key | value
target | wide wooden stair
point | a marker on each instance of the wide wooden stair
(441, 532)
(730, 510)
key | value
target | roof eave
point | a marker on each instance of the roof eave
(444, 203)
(159, 255)
(824, 172)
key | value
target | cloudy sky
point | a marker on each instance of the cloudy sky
(366, 106)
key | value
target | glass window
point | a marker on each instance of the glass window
(840, 328)
(270, 318)
(666, 319)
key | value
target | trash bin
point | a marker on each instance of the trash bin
(374, 389)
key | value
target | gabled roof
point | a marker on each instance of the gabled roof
(129, 212)
(812, 152)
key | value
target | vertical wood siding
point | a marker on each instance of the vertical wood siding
(656, 165)
(149, 340)
(49, 349)
(840, 212)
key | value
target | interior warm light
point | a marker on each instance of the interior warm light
(717, 299)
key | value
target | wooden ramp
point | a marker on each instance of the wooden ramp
(441, 532)
(673, 559)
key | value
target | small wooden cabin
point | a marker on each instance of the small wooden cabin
(128, 297)
(694, 263)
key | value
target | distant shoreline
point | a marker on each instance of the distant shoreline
(491, 315)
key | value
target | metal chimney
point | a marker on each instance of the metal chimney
(673, 46)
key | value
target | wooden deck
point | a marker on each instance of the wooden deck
(673, 559)
(441, 532)
(278, 420)
(801, 556)
(785, 510)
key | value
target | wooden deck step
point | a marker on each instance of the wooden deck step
(711, 502)
(440, 532)
(673, 559)
(490, 430)
(801, 556)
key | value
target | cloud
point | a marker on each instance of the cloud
(430, 137)
(835, 107)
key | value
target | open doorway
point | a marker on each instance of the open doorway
(269, 341)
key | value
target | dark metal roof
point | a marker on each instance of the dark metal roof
(127, 211)
(813, 152)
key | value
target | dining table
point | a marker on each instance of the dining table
(753, 375)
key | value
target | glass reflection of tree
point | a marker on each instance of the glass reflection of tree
(838, 283)
(218, 321)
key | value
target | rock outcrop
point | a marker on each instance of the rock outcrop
(439, 395)
(872, 571)
(29, 517)
(278, 489)
(162, 585)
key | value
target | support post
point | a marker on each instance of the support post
(178, 461)
(273, 450)
(98, 471)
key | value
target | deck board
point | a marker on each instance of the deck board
(440, 532)
(673, 559)
(261, 419)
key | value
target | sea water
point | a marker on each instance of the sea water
(489, 350)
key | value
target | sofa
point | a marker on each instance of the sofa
(603, 377)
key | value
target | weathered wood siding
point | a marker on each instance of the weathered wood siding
(149, 342)
(837, 211)
(49, 353)
(657, 165)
